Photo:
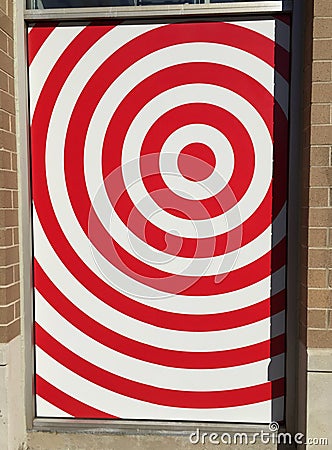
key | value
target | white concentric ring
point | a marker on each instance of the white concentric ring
(130, 324)
(221, 173)
(142, 69)
(46, 409)
(181, 95)
(116, 404)
(202, 341)
(97, 309)
(153, 374)
(62, 113)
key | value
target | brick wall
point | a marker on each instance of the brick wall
(316, 292)
(9, 250)
(316, 298)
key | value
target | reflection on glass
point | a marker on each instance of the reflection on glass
(44, 4)
(81, 4)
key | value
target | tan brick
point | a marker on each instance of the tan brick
(3, 82)
(322, 49)
(323, 27)
(330, 278)
(15, 199)
(6, 24)
(321, 176)
(322, 8)
(321, 71)
(13, 124)
(10, 9)
(6, 200)
(9, 294)
(9, 218)
(317, 318)
(8, 179)
(329, 318)
(320, 217)
(9, 256)
(7, 101)
(16, 235)
(11, 47)
(320, 114)
(16, 272)
(8, 140)
(322, 92)
(6, 275)
(317, 258)
(319, 338)
(3, 41)
(6, 237)
(321, 135)
(3, 5)
(17, 309)
(7, 314)
(4, 120)
(319, 298)
(317, 278)
(9, 332)
(5, 160)
(7, 63)
(14, 161)
(319, 196)
(317, 237)
(319, 156)
(11, 85)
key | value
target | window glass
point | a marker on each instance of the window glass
(45, 4)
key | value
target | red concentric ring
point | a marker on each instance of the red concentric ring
(84, 210)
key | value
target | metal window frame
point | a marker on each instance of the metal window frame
(126, 12)
(248, 9)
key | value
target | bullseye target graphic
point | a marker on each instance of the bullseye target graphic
(159, 185)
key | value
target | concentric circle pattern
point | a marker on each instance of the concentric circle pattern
(159, 174)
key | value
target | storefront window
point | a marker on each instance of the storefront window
(47, 4)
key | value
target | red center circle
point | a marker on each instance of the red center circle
(196, 161)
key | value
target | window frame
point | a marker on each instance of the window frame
(147, 11)
(229, 10)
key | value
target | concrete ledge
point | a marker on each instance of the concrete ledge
(319, 408)
(319, 360)
(12, 427)
(54, 441)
